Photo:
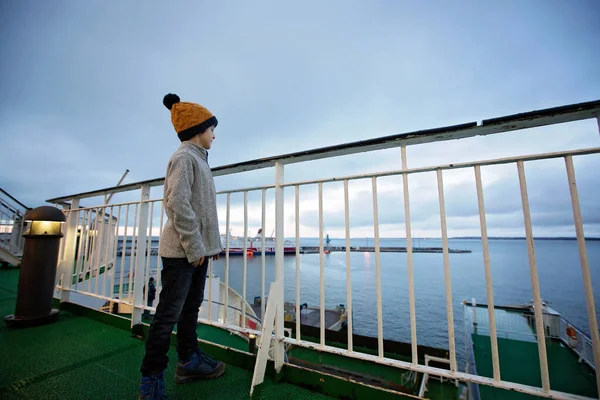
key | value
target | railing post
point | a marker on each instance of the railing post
(535, 284)
(279, 238)
(447, 276)
(411, 279)
(16, 233)
(585, 268)
(140, 256)
(488, 275)
(67, 264)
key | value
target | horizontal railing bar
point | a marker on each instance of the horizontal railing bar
(129, 203)
(96, 296)
(469, 164)
(151, 201)
(230, 327)
(15, 200)
(249, 189)
(408, 171)
(125, 302)
(146, 307)
(524, 310)
(256, 319)
(555, 115)
(10, 208)
(552, 394)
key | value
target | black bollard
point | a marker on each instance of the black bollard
(37, 277)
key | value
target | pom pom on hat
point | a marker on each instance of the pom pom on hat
(171, 99)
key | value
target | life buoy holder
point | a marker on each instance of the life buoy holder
(572, 336)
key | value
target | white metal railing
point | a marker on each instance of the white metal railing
(580, 343)
(141, 214)
(12, 227)
(520, 324)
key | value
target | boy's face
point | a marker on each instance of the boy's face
(205, 139)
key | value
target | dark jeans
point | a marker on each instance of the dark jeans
(180, 299)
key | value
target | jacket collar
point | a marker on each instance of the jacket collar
(199, 150)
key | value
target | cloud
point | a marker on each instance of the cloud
(83, 84)
(548, 192)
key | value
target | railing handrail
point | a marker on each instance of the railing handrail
(15, 200)
(531, 119)
(529, 313)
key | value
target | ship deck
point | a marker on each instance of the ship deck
(93, 355)
(519, 361)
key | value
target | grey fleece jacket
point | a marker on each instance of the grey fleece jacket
(192, 228)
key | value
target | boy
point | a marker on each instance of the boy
(189, 238)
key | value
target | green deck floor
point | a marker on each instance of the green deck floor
(80, 358)
(390, 376)
(519, 362)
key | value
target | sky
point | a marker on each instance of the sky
(82, 87)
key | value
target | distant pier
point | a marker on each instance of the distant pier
(362, 249)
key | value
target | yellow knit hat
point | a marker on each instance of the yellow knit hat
(189, 119)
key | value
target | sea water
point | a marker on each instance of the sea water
(557, 261)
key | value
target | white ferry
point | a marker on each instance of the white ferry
(254, 245)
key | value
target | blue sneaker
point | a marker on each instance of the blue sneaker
(153, 387)
(199, 366)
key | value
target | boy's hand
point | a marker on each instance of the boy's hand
(216, 257)
(199, 262)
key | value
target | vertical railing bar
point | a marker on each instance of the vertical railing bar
(537, 299)
(72, 216)
(210, 282)
(409, 257)
(140, 255)
(297, 217)
(77, 244)
(92, 233)
(377, 270)
(263, 260)
(67, 268)
(447, 276)
(6, 221)
(103, 252)
(134, 253)
(98, 247)
(488, 275)
(322, 265)
(99, 256)
(123, 248)
(278, 351)
(114, 258)
(585, 267)
(348, 268)
(12, 241)
(245, 263)
(63, 240)
(227, 222)
(107, 251)
(159, 261)
(89, 241)
(94, 248)
(21, 239)
(148, 256)
(81, 255)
